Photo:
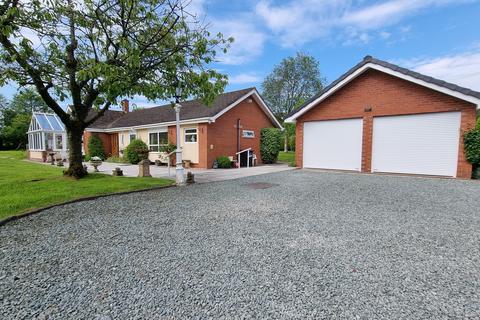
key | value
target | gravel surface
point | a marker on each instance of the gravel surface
(312, 245)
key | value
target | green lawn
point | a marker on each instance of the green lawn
(25, 185)
(288, 157)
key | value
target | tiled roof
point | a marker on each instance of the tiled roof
(370, 59)
(192, 109)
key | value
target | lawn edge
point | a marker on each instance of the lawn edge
(38, 210)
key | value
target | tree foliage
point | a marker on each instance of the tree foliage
(15, 117)
(95, 147)
(14, 135)
(270, 143)
(472, 146)
(93, 52)
(292, 82)
(27, 100)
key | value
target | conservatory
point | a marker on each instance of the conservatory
(46, 135)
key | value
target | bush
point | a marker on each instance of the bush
(224, 162)
(270, 140)
(472, 150)
(95, 147)
(86, 158)
(136, 151)
(472, 146)
(170, 147)
(116, 159)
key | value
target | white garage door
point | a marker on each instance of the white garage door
(417, 144)
(335, 144)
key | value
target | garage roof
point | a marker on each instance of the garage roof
(370, 62)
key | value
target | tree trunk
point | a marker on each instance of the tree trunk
(285, 143)
(75, 158)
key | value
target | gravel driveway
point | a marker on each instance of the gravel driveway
(314, 245)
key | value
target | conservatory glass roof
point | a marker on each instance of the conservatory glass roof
(48, 122)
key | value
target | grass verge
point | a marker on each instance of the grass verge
(25, 186)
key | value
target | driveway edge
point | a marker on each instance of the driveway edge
(38, 210)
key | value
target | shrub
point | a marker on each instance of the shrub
(224, 162)
(472, 146)
(95, 147)
(136, 151)
(472, 150)
(270, 140)
(170, 147)
(116, 159)
(86, 158)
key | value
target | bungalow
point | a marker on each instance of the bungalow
(231, 124)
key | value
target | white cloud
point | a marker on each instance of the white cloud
(248, 44)
(461, 69)
(244, 78)
(301, 21)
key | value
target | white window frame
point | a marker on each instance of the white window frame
(190, 134)
(55, 146)
(248, 134)
(159, 145)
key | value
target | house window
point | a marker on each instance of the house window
(58, 142)
(133, 136)
(191, 135)
(248, 134)
(156, 140)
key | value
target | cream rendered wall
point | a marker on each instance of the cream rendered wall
(36, 155)
(189, 150)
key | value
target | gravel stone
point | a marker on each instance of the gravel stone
(314, 245)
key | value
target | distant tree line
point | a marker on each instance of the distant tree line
(15, 115)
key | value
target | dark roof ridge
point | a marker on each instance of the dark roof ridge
(370, 59)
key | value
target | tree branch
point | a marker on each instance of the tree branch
(98, 115)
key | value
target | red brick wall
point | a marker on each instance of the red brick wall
(105, 137)
(386, 95)
(222, 134)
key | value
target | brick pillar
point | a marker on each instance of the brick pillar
(202, 145)
(299, 144)
(464, 168)
(367, 143)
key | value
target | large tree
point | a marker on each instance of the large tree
(15, 117)
(290, 84)
(27, 100)
(90, 53)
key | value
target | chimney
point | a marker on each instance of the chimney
(125, 106)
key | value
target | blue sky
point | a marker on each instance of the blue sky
(437, 37)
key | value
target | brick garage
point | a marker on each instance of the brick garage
(375, 91)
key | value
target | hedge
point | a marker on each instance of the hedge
(95, 147)
(136, 151)
(472, 146)
(270, 142)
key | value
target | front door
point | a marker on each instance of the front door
(114, 142)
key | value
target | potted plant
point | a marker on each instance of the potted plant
(96, 162)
